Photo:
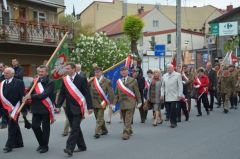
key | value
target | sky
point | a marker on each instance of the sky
(80, 5)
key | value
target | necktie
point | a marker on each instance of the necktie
(7, 81)
(124, 80)
(71, 78)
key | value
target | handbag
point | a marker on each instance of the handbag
(148, 105)
(194, 93)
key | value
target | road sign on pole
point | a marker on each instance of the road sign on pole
(160, 50)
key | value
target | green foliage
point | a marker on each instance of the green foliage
(71, 22)
(99, 49)
(232, 44)
(132, 27)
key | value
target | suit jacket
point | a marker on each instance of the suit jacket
(141, 86)
(82, 74)
(18, 72)
(37, 105)
(108, 90)
(71, 104)
(172, 86)
(14, 91)
(127, 102)
(212, 76)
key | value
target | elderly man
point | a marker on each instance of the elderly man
(18, 69)
(171, 92)
(11, 94)
(79, 70)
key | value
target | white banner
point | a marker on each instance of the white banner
(228, 29)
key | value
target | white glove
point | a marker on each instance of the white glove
(197, 86)
(113, 107)
(183, 82)
(139, 105)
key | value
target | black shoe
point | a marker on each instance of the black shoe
(69, 152)
(97, 136)
(7, 149)
(80, 150)
(3, 126)
(187, 118)
(104, 133)
(231, 107)
(235, 107)
(199, 115)
(211, 109)
(108, 122)
(43, 150)
(219, 106)
(27, 125)
(173, 125)
(142, 121)
(167, 119)
(39, 148)
(178, 120)
(18, 146)
(208, 112)
(225, 111)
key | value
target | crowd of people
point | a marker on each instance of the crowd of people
(173, 92)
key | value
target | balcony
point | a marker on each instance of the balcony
(31, 33)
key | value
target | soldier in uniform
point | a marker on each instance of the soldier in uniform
(233, 99)
(188, 79)
(226, 86)
(218, 94)
(102, 95)
(127, 93)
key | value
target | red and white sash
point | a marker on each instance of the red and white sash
(46, 102)
(147, 84)
(184, 76)
(101, 93)
(12, 110)
(74, 91)
(198, 81)
(125, 90)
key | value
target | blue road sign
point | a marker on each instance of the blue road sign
(160, 50)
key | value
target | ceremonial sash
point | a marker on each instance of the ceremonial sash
(12, 111)
(125, 90)
(76, 94)
(198, 81)
(147, 84)
(46, 102)
(101, 93)
(184, 76)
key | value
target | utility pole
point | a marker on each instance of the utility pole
(178, 33)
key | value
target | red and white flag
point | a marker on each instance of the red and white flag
(101, 93)
(125, 90)
(46, 102)
(75, 92)
(128, 61)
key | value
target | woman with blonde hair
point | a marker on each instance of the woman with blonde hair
(154, 94)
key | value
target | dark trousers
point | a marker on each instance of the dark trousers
(171, 110)
(42, 133)
(233, 101)
(204, 100)
(143, 113)
(212, 95)
(182, 106)
(14, 135)
(4, 115)
(76, 136)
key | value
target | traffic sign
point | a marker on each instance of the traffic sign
(160, 50)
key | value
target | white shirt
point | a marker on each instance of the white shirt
(9, 80)
(72, 77)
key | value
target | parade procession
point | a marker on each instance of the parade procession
(87, 90)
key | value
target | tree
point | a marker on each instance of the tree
(99, 49)
(232, 44)
(132, 27)
(71, 22)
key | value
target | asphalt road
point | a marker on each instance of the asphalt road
(216, 136)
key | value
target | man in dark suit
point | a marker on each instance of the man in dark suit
(212, 75)
(42, 111)
(3, 112)
(75, 90)
(18, 69)
(13, 91)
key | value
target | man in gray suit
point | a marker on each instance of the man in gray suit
(171, 92)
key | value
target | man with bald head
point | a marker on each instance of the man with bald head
(171, 93)
(212, 76)
(11, 94)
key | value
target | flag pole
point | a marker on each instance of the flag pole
(50, 59)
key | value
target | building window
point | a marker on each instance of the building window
(155, 23)
(169, 39)
(39, 16)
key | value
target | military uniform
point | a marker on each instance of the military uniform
(226, 87)
(98, 108)
(127, 104)
(233, 98)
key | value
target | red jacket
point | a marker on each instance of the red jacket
(203, 87)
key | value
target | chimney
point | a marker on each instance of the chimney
(229, 8)
(141, 10)
(124, 8)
